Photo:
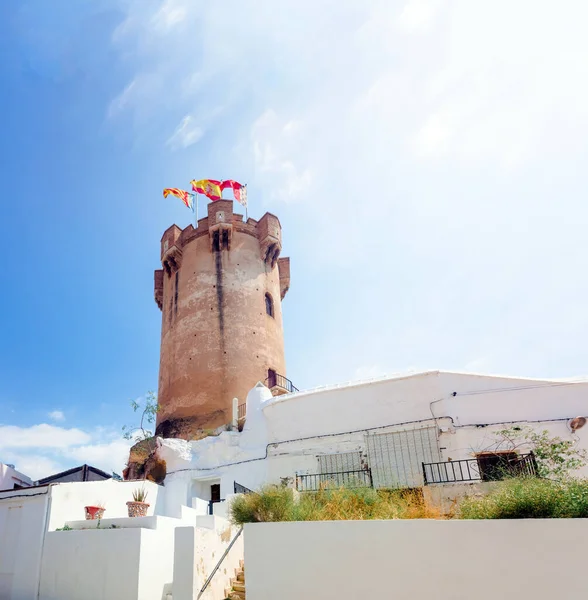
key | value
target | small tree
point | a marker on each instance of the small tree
(148, 415)
(555, 456)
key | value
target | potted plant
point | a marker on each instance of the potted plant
(138, 507)
(93, 512)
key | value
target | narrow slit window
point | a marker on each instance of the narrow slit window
(176, 293)
(269, 305)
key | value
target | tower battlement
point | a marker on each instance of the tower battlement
(220, 290)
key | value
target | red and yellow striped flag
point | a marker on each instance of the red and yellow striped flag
(184, 196)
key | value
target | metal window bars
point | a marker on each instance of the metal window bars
(347, 479)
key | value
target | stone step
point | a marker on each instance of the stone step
(238, 586)
(240, 576)
(236, 596)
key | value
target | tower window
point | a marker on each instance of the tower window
(269, 305)
(176, 293)
(272, 378)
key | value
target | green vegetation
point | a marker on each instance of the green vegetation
(148, 415)
(555, 457)
(140, 495)
(278, 503)
(530, 498)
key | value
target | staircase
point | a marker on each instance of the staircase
(237, 591)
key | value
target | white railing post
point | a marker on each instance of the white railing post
(235, 422)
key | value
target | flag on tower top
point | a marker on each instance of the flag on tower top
(184, 196)
(211, 188)
(239, 190)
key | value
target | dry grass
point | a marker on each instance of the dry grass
(274, 503)
(530, 498)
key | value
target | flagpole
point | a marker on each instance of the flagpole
(196, 201)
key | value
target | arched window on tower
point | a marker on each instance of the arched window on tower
(269, 305)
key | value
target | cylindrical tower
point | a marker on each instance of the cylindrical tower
(220, 293)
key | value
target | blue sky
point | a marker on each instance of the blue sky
(426, 160)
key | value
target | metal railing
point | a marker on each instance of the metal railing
(241, 411)
(281, 381)
(486, 467)
(346, 479)
(211, 504)
(241, 489)
(218, 564)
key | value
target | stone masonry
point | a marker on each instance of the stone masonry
(220, 292)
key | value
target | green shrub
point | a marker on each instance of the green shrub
(530, 498)
(275, 503)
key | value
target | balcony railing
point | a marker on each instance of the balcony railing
(486, 467)
(346, 479)
(241, 411)
(241, 489)
(277, 380)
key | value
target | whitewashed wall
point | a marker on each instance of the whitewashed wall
(107, 564)
(22, 527)
(409, 560)
(197, 552)
(69, 499)
(284, 435)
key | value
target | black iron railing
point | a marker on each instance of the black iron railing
(281, 381)
(241, 489)
(485, 467)
(346, 479)
(211, 504)
(241, 411)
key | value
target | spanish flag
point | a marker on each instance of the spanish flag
(211, 188)
(184, 196)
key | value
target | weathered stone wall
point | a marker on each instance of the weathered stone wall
(217, 340)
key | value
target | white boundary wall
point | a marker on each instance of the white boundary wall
(418, 559)
(197, 552)
(22, 525)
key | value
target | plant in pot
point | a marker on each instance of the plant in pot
(138, 507)
(94, 511)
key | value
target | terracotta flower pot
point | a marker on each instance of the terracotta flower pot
(137, 509)
(94, 512)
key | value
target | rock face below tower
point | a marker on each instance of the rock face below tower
(220, 292)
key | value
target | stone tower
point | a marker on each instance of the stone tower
(220, 292)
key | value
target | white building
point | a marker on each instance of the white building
(394, 431)
(389, 427)
(11, 479)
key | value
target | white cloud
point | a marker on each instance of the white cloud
(108, 456)
(418, 15)
(169, 15)
(186, 134)
(41, 436)
(42, 450)
(33, 465)
(119, 103)
(57, 415)
(429, 150)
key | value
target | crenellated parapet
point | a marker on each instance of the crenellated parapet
(284, 271)
(220, 225)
